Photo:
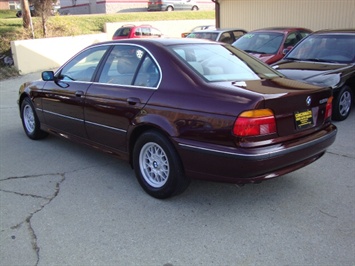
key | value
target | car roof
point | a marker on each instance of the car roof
(136, 26)
(335, 31)
(162, 41)
(218, 30)
(280, 29)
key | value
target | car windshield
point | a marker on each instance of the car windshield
(203, 35)
(260, 42)
(216, 62)
(122, 32)
(325, 48)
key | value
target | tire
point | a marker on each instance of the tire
(194, 8)
(158, 167)
(30, 121)
(342, 104)
(169, 8)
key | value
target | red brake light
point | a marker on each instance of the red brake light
(329, 108)
(255, 123)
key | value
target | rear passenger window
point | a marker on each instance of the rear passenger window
(148, 74)
(130, 65)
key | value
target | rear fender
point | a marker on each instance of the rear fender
(147, 122)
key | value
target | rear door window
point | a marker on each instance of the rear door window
(129, 65)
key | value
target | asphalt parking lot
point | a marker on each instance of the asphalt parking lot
(66, 204)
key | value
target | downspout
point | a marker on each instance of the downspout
(217, 13)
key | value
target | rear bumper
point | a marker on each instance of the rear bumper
(238, 165)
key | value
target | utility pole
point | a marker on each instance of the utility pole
(26, 14)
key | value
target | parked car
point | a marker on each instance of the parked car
(218, 35)
(325, 58)
(203, 27)
(271, 44)
(32, 12)
(133, 31)
(54, 11)
(178, 109)
(171, 5)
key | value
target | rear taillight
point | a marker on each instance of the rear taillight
(328, 108)
(255, 123)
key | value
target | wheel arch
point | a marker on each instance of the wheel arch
(351, 83)
(150, 123)
(170, 6)
(23, 96)
(348, 83)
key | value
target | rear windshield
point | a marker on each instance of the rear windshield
(217, 62)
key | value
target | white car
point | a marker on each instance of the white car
(171, 5)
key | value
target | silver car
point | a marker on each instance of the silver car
(171, 5)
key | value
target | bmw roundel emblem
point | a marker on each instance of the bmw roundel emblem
(308, 101)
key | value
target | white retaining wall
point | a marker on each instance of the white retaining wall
(49, 53)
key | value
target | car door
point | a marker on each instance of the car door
(63, 98)
(180, 4)
(127, 80)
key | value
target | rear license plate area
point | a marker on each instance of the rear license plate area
(304, 119)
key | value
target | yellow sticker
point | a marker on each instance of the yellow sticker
(304, 119)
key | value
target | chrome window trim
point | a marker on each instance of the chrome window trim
(75, 81)
(116, 44)
(124, 86)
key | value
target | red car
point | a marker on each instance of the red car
(133, 31)
(271, 44)
(182, 108)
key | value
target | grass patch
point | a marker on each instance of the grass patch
(87, 24)
(7, 14)
(8, 72)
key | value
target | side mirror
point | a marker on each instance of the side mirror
(48, 75)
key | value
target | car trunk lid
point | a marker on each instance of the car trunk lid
(297, 106)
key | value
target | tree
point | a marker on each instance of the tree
(43, 8)
(26, 15)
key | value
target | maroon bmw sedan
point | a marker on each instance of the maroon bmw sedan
(182, 109)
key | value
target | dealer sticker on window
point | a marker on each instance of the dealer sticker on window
(304, 119)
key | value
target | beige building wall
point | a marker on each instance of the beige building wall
(312, 14)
